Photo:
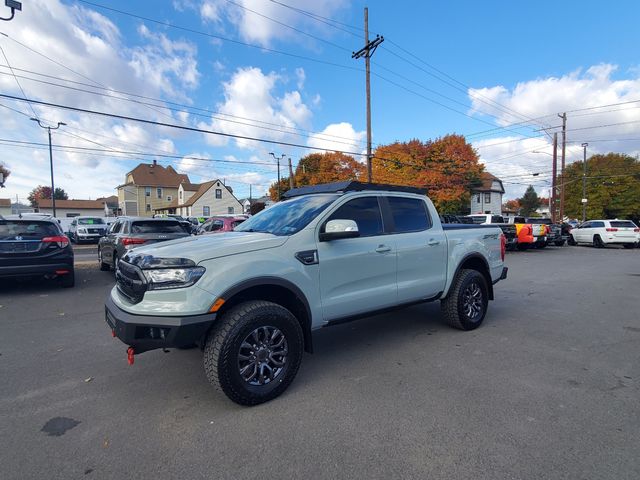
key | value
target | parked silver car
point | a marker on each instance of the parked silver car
(130, 232)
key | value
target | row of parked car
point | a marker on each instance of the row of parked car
(523, 233)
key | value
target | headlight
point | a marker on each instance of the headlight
(165, 278)
(82, 230)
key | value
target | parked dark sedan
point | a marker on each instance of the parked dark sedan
(129, 232)
(31, 246)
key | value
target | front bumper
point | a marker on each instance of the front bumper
(85, 237)
(149, 332)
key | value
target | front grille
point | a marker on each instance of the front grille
(93, 230)
(130, 281)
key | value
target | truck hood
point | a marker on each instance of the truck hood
(206, 247)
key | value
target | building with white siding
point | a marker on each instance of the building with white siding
(204, 200)
(487, 197)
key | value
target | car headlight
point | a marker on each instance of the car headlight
(165, 278)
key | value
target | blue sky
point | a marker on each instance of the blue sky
(445, 67)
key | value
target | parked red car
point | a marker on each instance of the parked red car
(220, 224)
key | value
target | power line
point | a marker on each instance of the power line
(16, 79)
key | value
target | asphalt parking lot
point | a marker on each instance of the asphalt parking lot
(547, 388)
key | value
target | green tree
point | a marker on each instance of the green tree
(529, 202)
(613, 187)
(43, 191)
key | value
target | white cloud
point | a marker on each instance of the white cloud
(301, 77)
(577, 93)
(250, 94)
(255, 27)
(340, 137)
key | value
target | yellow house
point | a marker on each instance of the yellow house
(149, 187)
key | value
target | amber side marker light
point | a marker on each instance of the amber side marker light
(216, 305)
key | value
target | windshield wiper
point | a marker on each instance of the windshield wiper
(254, 230)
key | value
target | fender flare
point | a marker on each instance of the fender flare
(487, 272)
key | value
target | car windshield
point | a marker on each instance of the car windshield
(623, 224)
(288, 217)
(151, 226)
(26, 229)
(90, 221)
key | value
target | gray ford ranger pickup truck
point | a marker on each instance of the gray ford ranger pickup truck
(327, 253)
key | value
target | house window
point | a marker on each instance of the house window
(206, 211)
(147, 191)
(218, 193)
(180, 195)
(169, 198)
(478, 198)
(487, 198)
(230, 210)
(159, 193)
(148, 209)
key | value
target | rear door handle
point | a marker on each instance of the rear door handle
(383, 249)
(433, 242)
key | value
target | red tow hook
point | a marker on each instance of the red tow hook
(130, 354)
(113, 333)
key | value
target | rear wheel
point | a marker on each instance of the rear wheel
(559, 243)
(103, 266)
(629, 246)
(254, 352)
(466, 305)
(523, 246)
(597, 241)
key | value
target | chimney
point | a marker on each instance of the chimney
(155, 162)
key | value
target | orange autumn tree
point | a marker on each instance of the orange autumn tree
(447, 167)
(317, 168)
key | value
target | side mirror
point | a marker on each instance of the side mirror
(337, 229)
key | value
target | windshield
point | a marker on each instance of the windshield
(288, 217)
(26, 230)
(154, 226)
(90, 221)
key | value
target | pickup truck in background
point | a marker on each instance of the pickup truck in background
(509, 230)
(554, 233)
(529, 235)
(326, 254)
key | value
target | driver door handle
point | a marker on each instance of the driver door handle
(433, 242)
(383, 249)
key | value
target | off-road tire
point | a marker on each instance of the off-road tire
(453, 305)
(522, 247)
(222, 348)
(571, 241)
(68, 280)
(105, 267)
(597, 242)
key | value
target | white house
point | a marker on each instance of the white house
(204, 200)
(487, 197)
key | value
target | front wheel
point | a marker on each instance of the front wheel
(466, 305)
(105, 267)
(254, 352)
(572, 241)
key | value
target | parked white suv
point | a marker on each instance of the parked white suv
(601, 233)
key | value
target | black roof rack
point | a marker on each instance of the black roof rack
(350, 186)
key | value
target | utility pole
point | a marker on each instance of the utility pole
(584, 183)
(250, 197)
(564, 146)
(366, 52)
(552, 199)
(292, 183)
(278, 160)
(53, 189)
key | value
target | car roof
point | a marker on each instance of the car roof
(149, 219)
(350, 186)
(29, 218)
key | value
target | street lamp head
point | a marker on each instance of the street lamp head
(62, 123)
(584, 145)
(34, 119)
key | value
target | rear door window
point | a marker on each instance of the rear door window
(597, 225)
(497, 219)
(409, 214)
(147, 226)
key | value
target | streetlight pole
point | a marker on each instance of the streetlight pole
(281, 157)
(53, 190)
(584, 183)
